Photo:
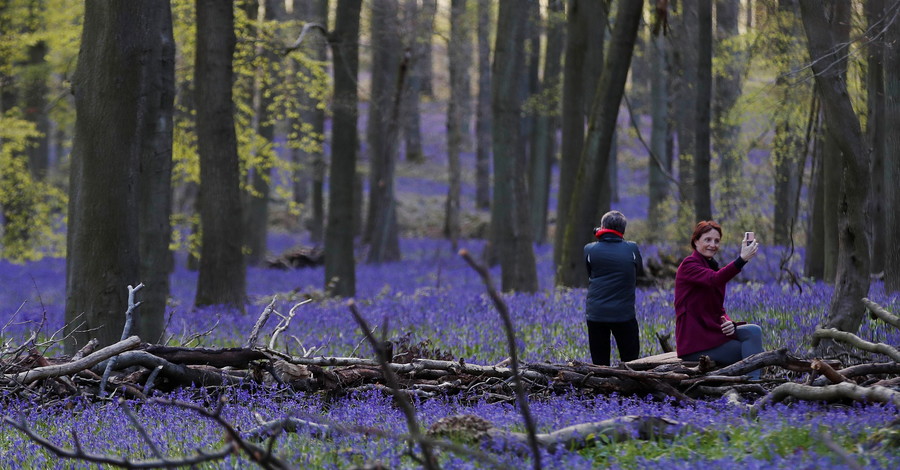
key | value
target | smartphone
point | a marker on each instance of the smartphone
(748, 238)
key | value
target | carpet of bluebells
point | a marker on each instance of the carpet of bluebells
(432, 295)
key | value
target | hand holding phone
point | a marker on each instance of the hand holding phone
(748, 238)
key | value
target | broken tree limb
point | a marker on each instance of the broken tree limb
(180, 374)
(882, 313)
(260, 322)
(827, 371)
(841, 391)
(863, 369)
(583, 435)
(225, 357)
(856, 341)
(70, 368)
(779, 357)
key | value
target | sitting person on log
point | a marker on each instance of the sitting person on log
(702, 328)
(613, 267)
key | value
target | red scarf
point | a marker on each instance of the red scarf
(608, 230)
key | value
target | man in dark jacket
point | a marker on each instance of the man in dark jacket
(613, 266)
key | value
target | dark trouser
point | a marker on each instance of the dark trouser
(747, 342)
(626, 334)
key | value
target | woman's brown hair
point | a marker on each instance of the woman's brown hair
(703, 227)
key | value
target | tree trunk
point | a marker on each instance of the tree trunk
(891, 151)
(875, 126)
(814, 262)
(417, 40)
(661, 158)
(222, 276)
(601, 127)
(259, 173)
(684, 30)
(546, 122)
(311, 159)
(340, 266)
(702, 156)
(382, 132)
(509, 213)
(483, 108)
(459, 49)
(428, 12)
(852, 280)
(112, 85)
(574, 110)
(839, 24)
(156, 185)
(726, 121)
(790, 116)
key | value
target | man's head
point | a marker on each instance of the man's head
(614, 220)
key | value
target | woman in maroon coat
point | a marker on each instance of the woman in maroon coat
(702, 328)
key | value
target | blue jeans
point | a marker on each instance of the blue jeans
(747, 343)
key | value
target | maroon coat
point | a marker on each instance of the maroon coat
(699, 303)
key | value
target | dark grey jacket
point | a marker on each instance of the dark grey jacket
(613, 265)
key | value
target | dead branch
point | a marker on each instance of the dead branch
(858, 370)
(856, 341)
(70, 368)
(880, 312)
(841, 391)
(260, 322)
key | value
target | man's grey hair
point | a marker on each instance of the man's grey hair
(614, 220)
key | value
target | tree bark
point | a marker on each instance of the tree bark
(113, 85)
(483, 108)
(576, 89)
(594, 161)
(702, 156)
(726, 125)
(685, 31)
(852, 280)
(156, 185)
(547, 121)
(891, 151)
(661, 158)
(310, 160)
(340, 266)
(875, 126)
(459, 49)
(222, 276)
(789, 143)
(509, 212)
(419, 29)
(382, 133)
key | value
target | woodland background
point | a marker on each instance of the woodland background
(193, 146)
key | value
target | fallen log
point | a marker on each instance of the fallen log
(74, 367)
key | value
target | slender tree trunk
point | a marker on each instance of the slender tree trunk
(726, 120)
(340, 266)
(547, 121)
(684, 30)
(382, 132)
(112, 85)
(601, 127)
(891, 151)
(156, 186)
(875, 126)
(789, 144)
(574, 109)
(509, 213)
(460, 53)
(427, 12)
(814, 261)
(483, 108)
(702, 156)
(419, 38)
(222, 276)
(839, 24)
(852, 279)
(310, 160)
(661, 158)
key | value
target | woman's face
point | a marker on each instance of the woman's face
(708, 244)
